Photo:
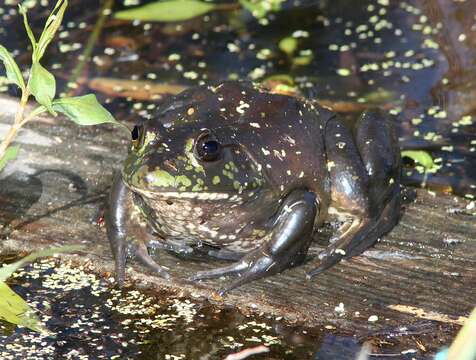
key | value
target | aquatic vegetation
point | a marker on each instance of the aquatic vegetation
(83, 110)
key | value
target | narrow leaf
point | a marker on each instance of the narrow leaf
(42, 85)
(12, 70)
(15, 310)
(31, 36)
(10, 154)
(84, 110)
(167, 11)
(9, 269)
(51, 27)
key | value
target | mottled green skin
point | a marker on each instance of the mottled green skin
(272, 143)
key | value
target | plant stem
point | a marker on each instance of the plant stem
(17, 124)
(93, 38)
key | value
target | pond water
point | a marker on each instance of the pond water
(414, 59)
(89, 318)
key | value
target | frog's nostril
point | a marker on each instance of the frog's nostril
(169, 202)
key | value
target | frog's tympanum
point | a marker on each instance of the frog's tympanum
(250, 176)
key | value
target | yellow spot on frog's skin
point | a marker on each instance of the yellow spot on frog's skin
(256, 125)
(330, 165)
(232, 167)
(241, 108)
(237, 186)
(216, 180)
(228, 174)
(191, 160)
(340, 252)
(265, 152)
(258, 233)
(279, 155)
(190, 111)
(162, 178)
(183, 180)
(197, 187)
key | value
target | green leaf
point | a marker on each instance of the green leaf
(42, 85)
(167, 11)
(288, 45)
(11, 67)
(421, 157)
(51, 27)
(464, 346)
(9, 269)
(84, 110)
(31, 36)
(15, 310)
(12, 307)
(10, 154)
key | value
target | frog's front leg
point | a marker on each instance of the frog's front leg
(286, 247)
(124, 234)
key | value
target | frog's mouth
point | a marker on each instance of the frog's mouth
(187, 195)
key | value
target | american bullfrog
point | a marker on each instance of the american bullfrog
(252, 175)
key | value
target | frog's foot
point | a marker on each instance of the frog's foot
(143, 256)
(224, 254)
(286, 247)
(255, 265)
(357, 237)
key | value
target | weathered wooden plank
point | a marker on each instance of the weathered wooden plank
(52, 194)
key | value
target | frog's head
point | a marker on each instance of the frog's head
(188, 152)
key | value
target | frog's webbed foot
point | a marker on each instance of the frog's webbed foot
(357, 236)
(143, 256)
(286, 247)
(350, 234)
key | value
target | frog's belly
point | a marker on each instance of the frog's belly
(185, 223)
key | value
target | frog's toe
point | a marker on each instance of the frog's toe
(143, 256)
(253, 266)
(235, 268)
(327, 261)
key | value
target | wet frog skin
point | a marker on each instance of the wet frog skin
(251, 175)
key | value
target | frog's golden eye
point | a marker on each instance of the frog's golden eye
(207, 147)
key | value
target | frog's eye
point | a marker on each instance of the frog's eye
(136, 135)
(207, 148)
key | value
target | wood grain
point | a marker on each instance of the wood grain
(54, 191)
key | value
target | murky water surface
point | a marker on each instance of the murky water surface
(416, 59)
(88, 318)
